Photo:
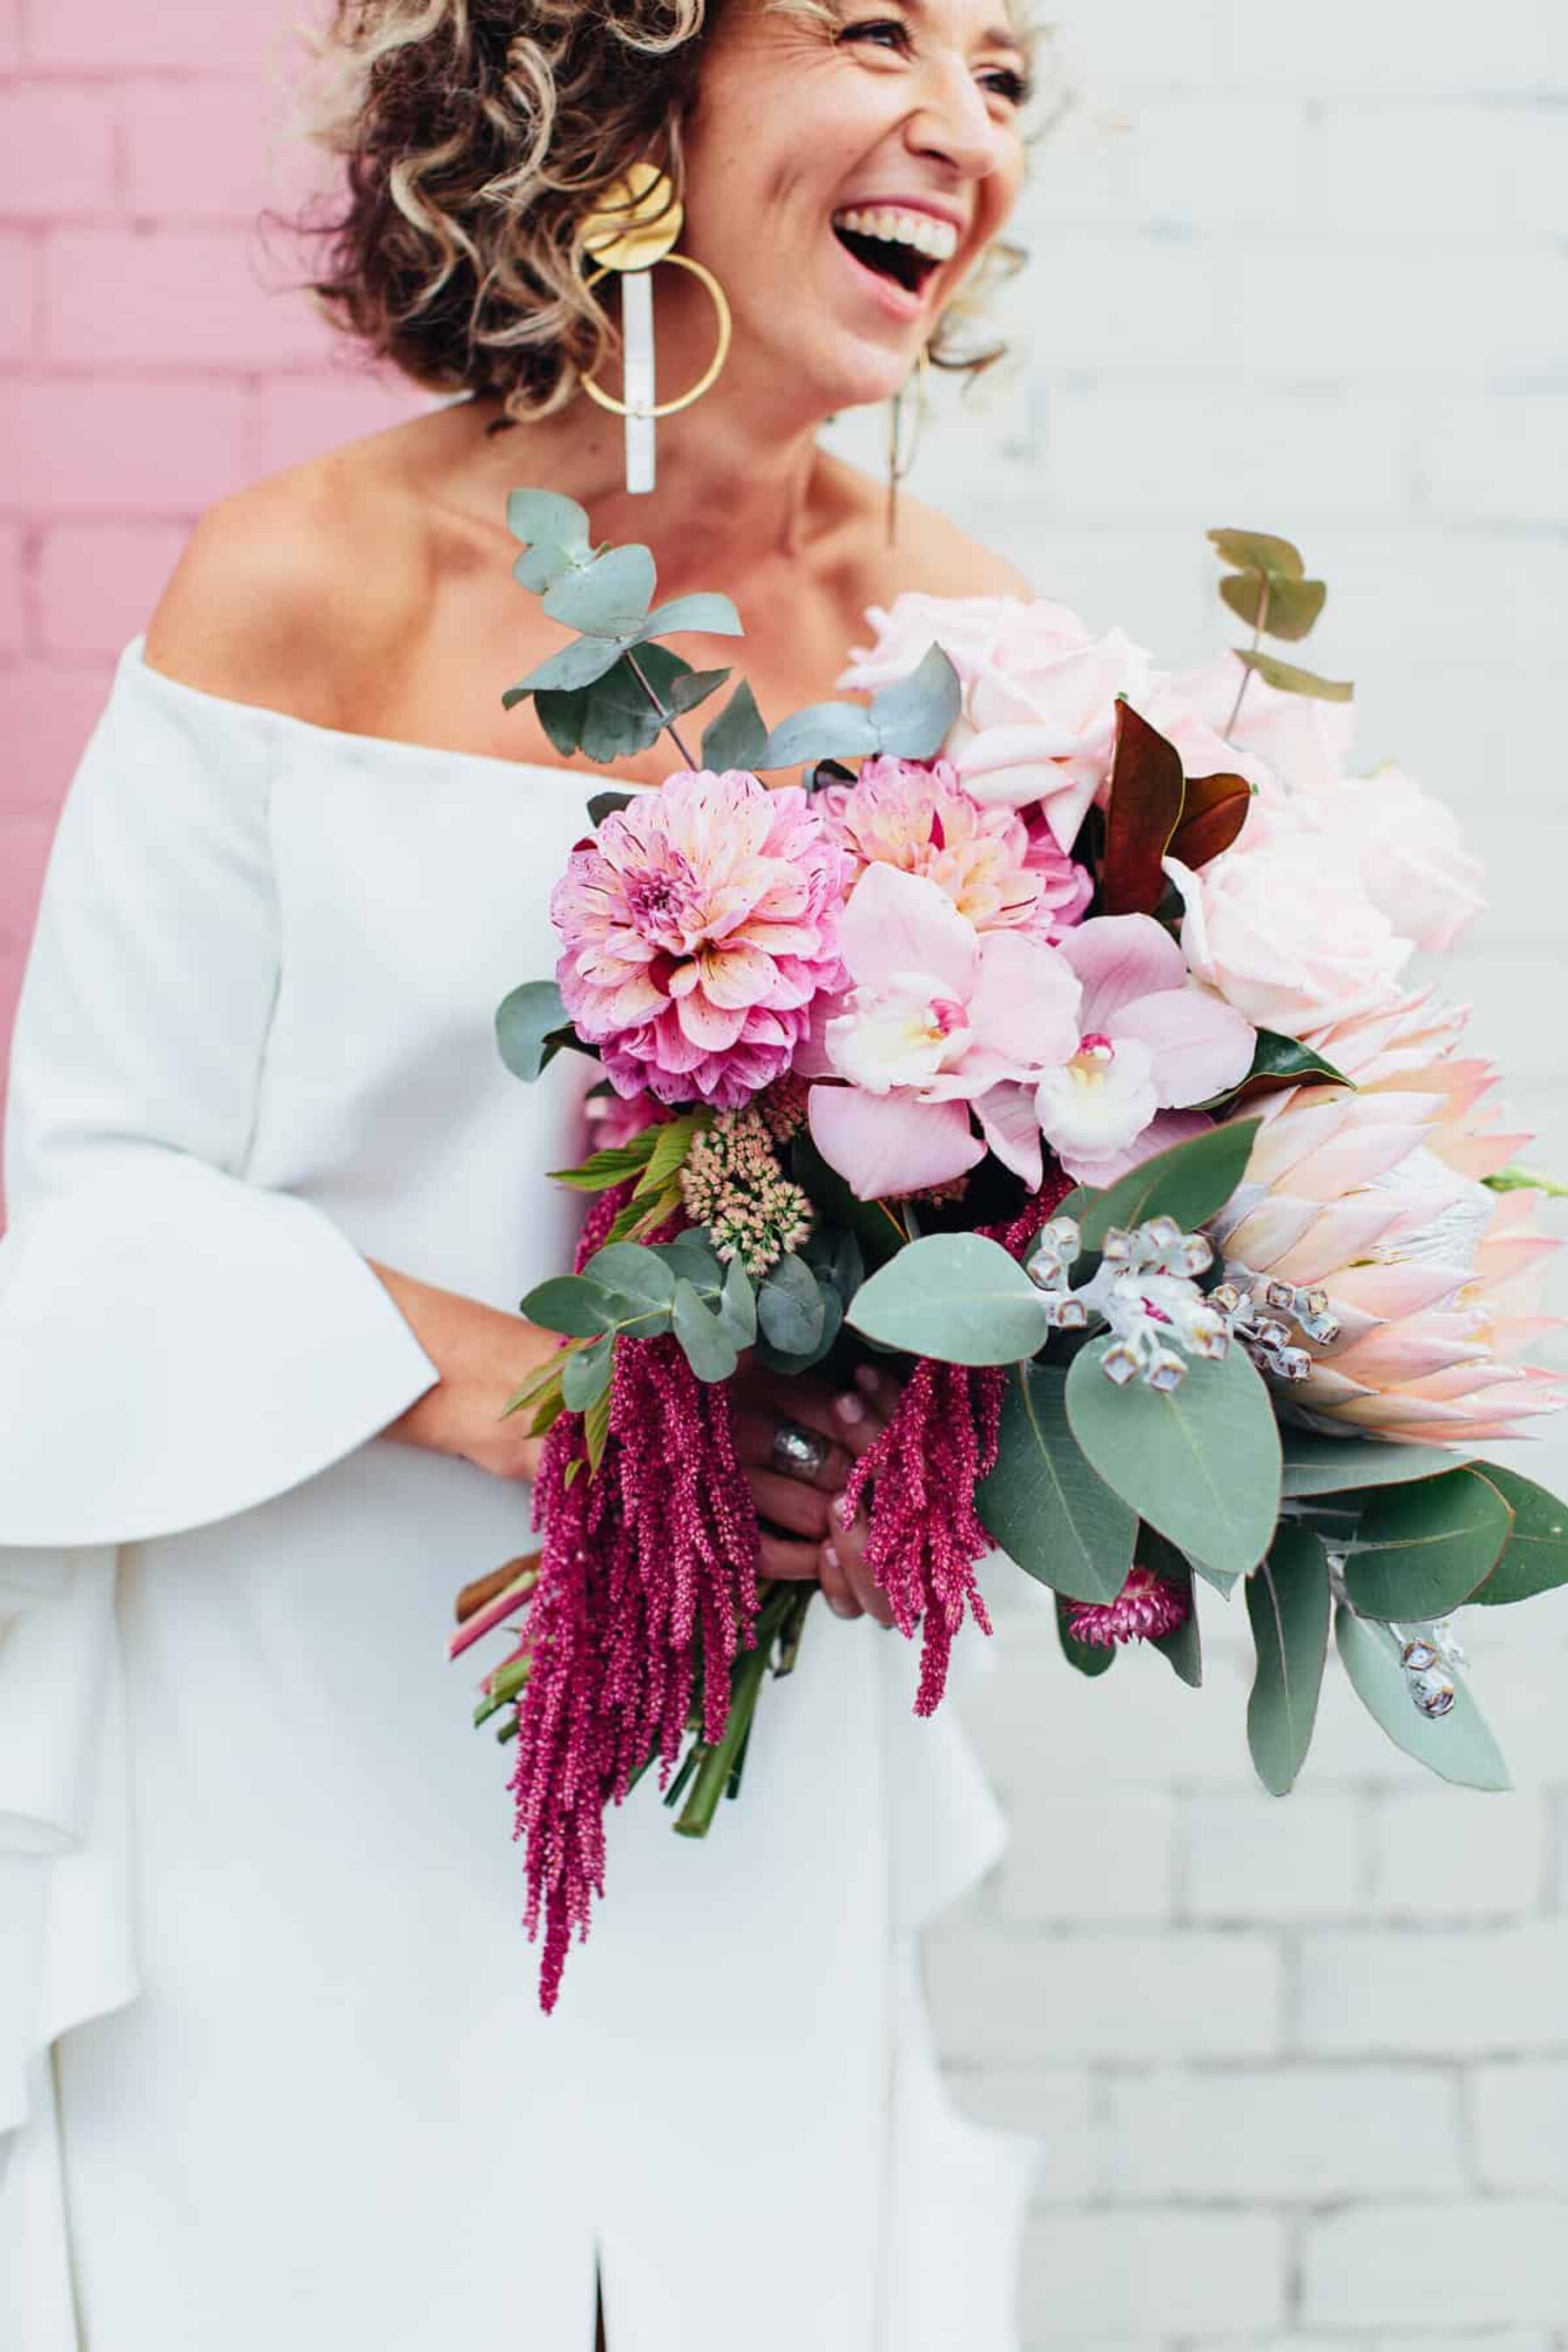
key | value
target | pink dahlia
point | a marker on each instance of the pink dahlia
(916, 815)
(1148, 1607)
(698, 926)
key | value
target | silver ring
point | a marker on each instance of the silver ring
(798, 1452)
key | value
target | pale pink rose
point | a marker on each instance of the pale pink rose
(1303, 743)
(1410, 854)
(1288, 937)
(965, 627)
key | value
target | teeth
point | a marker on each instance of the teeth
(935, 238)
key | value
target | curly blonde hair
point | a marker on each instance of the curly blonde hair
(474, 136)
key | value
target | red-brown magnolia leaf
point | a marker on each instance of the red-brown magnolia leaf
(1144, 811)
(1213, 815)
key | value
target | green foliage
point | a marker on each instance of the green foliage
(818, 732)
(1201, 1465)
(1089, 1658)
(606, 597)
(956, 1297)
(1142, 813)
(1288, 609)
(1422, 1550)
(1347, 1465)
(791, 1309)
(1214, 810)
(528, 1024)
(1049, 1510)
(1259, 550)
(1287, 680)
(1288, 1602)
(737, 738)
(1535, 1558)
(1189, 1182)
(1457, 1746)
(1277, 1062)
(609, 802)
(571, 1304)
(586, 1374)
(712, 1348)
(909, 719)
(1515, 1179)
(875, 1225)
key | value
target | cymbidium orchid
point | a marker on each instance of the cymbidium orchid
(938, 1018)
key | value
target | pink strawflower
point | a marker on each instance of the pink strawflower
(915, 814)
(1148, 1607)
(697, 929)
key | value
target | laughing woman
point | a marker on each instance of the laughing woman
(269, 2034)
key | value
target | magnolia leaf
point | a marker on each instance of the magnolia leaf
(1535, 1558)
(1278, 1062)
(1214, 810)
(914, 716)
(1289, 681)
(1090, 1658)
(525, 1021)
(1048, 1508)
(1422, 1549)
(710, 616)
(535, 516)
(1201, 1465)
(1288, 609)
(586, 1374)
(1347, 1465)
(606, 598)
(824, 732)
(1189, 1182)
(955, 1296)
(562, 717)
(569, 1303)
(1288, 1601)
(737, 738)
(708, 1346)
(791, 1307)
(1457, 1745)
(1259, 550)
(577, 664)
(1141, 814)
(695, 686)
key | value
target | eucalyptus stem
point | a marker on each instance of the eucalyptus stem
(1247, 675)
(667, 717)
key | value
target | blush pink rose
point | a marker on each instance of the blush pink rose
(965, 627)
(1303, 743)
(1288, 937)
(1410, 854)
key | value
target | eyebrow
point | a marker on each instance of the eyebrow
(995, 36)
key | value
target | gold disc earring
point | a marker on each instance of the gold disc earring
(898, 459)
(630, 232)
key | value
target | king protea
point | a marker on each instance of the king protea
(1377, 1197)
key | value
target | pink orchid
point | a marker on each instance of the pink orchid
(1152, 1042)
(939, 1019)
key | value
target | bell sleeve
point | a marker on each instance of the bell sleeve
(176, 1344)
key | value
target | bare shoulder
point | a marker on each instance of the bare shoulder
(287, 590)
(931, 556)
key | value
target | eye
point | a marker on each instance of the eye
(886, 32)
(1009, 83)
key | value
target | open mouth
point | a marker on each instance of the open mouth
(904, 247)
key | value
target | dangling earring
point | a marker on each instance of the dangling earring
(900, 460)
(634, 228)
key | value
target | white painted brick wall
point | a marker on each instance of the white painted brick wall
(1299, 2070)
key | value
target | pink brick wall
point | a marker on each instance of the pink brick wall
(153, 356)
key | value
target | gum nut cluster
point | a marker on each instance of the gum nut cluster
(698, 928)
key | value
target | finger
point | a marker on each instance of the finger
(851, 1421)
(789, 1563)
(799, 1509)
(835, 1588)
(755, 1435)
(849, 1542)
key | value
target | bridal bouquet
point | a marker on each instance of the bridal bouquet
(1052, 1040)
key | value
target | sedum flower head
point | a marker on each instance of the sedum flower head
(734, 1188)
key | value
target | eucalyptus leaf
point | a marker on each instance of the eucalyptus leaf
(1420, 1551)
(1288, 1602)
(1535, 1558)
(1088, 1658)
(536, 516)
(1345, 1465)
(586, 1372)
(1201, 1465)
(824, 732)
(639, 1277)
(562, 717)
(695, 686)
(1287, 680)
(738, 1305)
(956, 1297)
(782, 1360)
(1286, 609)
(525, 1022)
(836, 1256)
(737, 738)
(1049, 1510)
(577, 664)
(1190, 1182)
(710, 616)
(1182, 1649)
(694, 1260)
(568, 1303)
(606, 598)
(913, 717)
(790, 1306)
(709, 1349)
(608, 802)
(623, 717)
(1457, 1745)
(539, 567)
(1259, 550)
(1223, 1581)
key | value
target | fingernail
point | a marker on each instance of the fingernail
(830, 1555)
(839, 1608)
(843, 1510)
(868, 1379)
(849, 1409)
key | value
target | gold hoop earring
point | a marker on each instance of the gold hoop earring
(898, 460)
(628, 236)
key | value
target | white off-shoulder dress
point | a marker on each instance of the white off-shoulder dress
(271, 2070)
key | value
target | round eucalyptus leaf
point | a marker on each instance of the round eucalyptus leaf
(606, 598)
(641, 1277)
(524, 1023)
(790, 1307)
(956, 1297)
(709, 1349)
(586, 1372)
(915, 715)
(548, 517)
(568, 1303)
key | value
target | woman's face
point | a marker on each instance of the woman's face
(842, 178)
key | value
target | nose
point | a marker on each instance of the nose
(954, 124)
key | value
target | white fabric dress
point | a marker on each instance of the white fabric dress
(271, 2070)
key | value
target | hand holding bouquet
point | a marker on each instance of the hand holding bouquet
(1057, 1057)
